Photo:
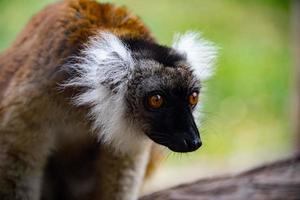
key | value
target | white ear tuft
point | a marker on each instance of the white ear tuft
(199, 53)
(105, 60)
(104, 70)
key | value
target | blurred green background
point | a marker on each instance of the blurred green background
(247, 106)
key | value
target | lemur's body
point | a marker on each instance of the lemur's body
(49, 147)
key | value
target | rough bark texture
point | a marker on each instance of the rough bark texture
(276, 181)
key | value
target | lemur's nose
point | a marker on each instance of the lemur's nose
(194, 144)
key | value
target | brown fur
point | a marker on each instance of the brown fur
(36, 118)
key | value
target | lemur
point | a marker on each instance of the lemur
(86, 92)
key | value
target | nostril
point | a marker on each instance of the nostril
(198, 143)
(195, 144)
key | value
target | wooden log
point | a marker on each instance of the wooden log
(276, 181)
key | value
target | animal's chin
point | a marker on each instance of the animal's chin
(159, 138)
(181, 148)
(180, 145)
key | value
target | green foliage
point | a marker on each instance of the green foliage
(248, 101)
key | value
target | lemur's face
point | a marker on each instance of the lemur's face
(165, 98)
(133, 85)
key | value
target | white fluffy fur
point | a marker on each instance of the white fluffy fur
(107, 58)
(199, 52)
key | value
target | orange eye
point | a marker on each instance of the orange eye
(193, 99)
(155, 101)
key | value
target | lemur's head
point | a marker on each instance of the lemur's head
(137, 89)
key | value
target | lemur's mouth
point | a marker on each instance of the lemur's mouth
(181, 142)
(185, 145)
